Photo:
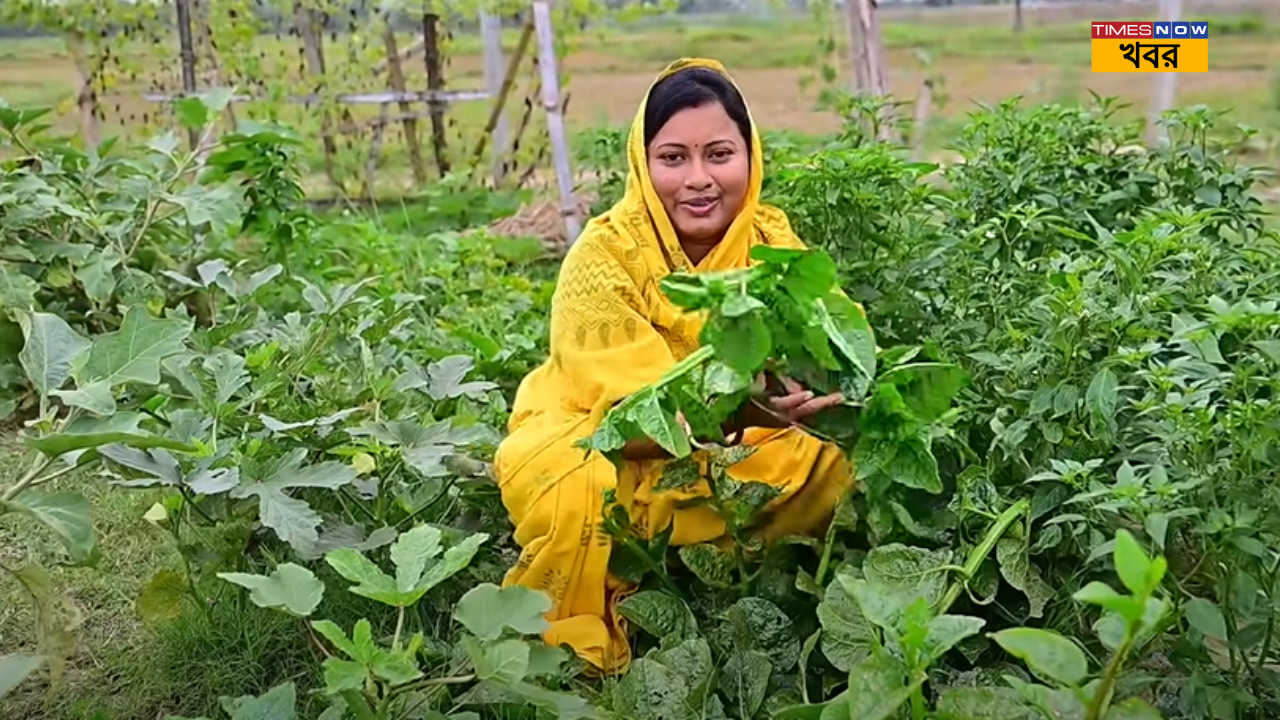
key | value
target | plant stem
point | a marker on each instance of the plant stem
(395, 642)
(984, 548)
(830, 539)
(27, 479)
(1102, 698)
(358, 706)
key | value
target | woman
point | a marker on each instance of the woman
(692, 203)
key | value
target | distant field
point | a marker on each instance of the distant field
(971, 51)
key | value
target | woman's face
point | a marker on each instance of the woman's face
(699, 167)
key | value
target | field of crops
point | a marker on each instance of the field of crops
(248, 476)
(245, 462)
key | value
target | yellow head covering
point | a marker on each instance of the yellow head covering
(733, 249)
(612, 332)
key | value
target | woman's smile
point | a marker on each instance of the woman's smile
(701, 207)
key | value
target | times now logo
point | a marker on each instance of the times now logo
(1179, 30)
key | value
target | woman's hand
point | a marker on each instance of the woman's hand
(794, 407)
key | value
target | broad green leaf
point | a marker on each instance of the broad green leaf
(847, 637)
(504, 662)
(486, 610)
(342, 675)
(908, 571)
(1016, 567)
(278, 703)
(83, 433)
(1102, 399)
(17, 291)
(663, 616)
(49, 351)
(133, 353)
(927, 388)
(982, 703)
(878, 687)
(15, 668)
(446, 378)
(1102, 595)
(67, 515)
(712, 565)
(946, 631)
(1206, 618)
(745, 681)
(756, 624)
(95, 397)
(292, 519)
(1133, 709)
(1046, 652)
(653, 691)
(374, 584)
(290, 588)
(691, 660)
(410, 554)
(163, 598)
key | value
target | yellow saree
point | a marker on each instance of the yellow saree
(612, 333)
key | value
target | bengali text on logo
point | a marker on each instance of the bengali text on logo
(1146, 46)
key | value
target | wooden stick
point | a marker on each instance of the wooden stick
(555, 119)
(435, 81)
(85, 98)
(500, 101)
(1165, 88)
(187, 54)
(396, 74)
(495, 81)
(304, 19)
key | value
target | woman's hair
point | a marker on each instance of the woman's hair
(690, 88)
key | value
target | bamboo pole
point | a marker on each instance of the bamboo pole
(496, 114)
(435, 82)
(1164, 89)
(304, 19)
(396, 75)
(555, 118)
(495, 79)
(86, 101)
(187, 54)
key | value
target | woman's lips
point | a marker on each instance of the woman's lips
(701, 208)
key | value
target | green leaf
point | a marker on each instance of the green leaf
(663, 616)
(292, 519)
(1133, 709)
(745, 681)
(1016, 567)
(946, 631)
(1102, 399)
(712, 565)
(1206, 618)
(653, 691)
(1131, 563)
(878, 688)
(486, 610)
(67, 515)
(290, 588)
(50, 349)
(504, 662)
(15, 668)
(847, 637)
(88, 432)
(1046, 652)
(374, 584)
(133, 353)
(278, 703)
(754, 623)
(981, 703)
(163, 598)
